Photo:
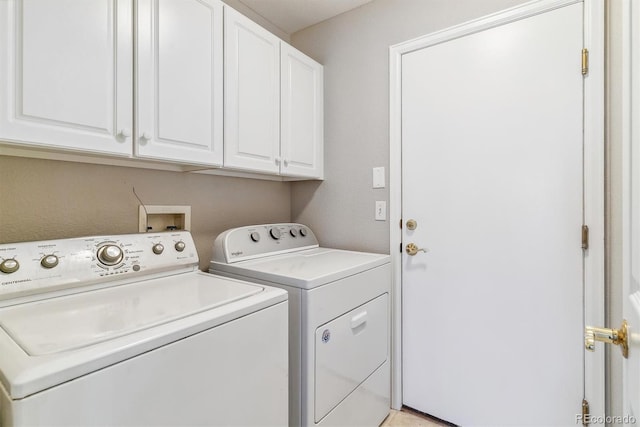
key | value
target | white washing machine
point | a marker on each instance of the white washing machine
(338, 319)
(124, 330)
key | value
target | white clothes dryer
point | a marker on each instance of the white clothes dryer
(339, 368)
(124, 330)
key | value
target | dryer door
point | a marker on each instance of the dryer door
(349, 349)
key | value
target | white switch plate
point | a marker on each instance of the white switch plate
(378, 177)
(381, 210)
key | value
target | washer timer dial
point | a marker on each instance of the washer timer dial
(110, 254)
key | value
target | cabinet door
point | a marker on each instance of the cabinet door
(301, 130)
(65, 74)
(179, 81)
(252, 95)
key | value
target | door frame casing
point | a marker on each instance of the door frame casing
(593, 178)
(630, 100)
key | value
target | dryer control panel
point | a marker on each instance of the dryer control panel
(44, 266)
(255, 241)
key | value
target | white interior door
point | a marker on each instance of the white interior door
(631, 208)
(492, 170)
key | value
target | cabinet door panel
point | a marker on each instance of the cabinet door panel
(180, 80)
(302, 114)
(66, 74)
(252, 95)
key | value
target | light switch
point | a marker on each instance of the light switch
(378, 177)
(381, 210)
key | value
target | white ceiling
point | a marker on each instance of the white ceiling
(294, 15)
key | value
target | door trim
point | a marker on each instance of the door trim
(593, 177)
(630, 99)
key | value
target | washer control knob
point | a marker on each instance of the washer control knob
(275, 233)
(9, 266)
(180, 246)
(303, 232)
(110, 254)
(157, 248)
(49, 261)
(293, 232)
(255, 236)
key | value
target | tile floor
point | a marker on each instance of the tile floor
(409, 418)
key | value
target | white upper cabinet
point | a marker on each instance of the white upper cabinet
(301, 132)
(273, 103)
(252, 95)
(179, 81)
(206, 87)
(65, 74)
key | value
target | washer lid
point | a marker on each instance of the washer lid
(98, 331)
(74, 321)
(305, 269)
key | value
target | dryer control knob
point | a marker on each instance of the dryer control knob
(275, 233)
(293, 232)
(9, 266)
(180, 246)
(157, 248)
(255, 236)
(303, 232)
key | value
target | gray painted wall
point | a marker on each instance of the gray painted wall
(48, 199)
(354, 48)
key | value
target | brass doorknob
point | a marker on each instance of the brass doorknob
(412, 224)
(413, 249)
(612, 336)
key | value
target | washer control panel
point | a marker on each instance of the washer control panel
(35, 267)
(255, 241)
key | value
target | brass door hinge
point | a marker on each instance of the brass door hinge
(585, 61)
(585, 237)
(585, 412)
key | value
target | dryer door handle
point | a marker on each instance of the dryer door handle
(358, 319)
